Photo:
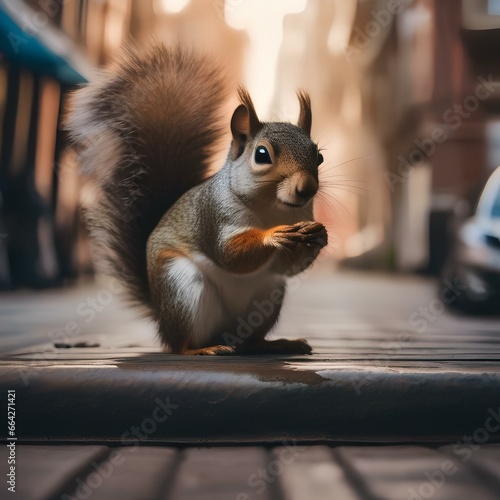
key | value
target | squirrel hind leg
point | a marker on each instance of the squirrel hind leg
(189, 309)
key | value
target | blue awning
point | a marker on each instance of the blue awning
(45, 50)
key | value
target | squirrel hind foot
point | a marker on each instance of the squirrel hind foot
(215, 350)
(279, 346)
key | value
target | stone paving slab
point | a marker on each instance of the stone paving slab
(292, 471)
(43, 470)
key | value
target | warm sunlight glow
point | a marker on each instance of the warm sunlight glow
(170, 6)
(340, 31)
(261, 17)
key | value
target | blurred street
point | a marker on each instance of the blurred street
(344, 314)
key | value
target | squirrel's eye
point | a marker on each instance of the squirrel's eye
(320, 159)
(262, 155)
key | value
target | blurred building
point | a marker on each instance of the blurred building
(405, 95)
(47, 49)
(405, 104)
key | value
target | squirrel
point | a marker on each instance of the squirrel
(204, 253)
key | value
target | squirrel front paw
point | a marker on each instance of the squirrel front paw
(311, 234)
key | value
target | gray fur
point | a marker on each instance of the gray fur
(145, 132)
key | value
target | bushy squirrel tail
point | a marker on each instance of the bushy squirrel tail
(145, 131)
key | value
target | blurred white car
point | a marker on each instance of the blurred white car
(476, 258)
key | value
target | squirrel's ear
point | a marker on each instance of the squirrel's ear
(305, 118)
(244, 123)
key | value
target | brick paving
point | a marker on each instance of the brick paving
(293, 471)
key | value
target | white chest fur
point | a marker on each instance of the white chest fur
(216, 297)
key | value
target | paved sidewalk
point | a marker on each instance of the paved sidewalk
(391, 367)
(390, 364)
(340, 313)
(291, 471)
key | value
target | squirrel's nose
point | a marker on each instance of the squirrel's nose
(306, 187)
